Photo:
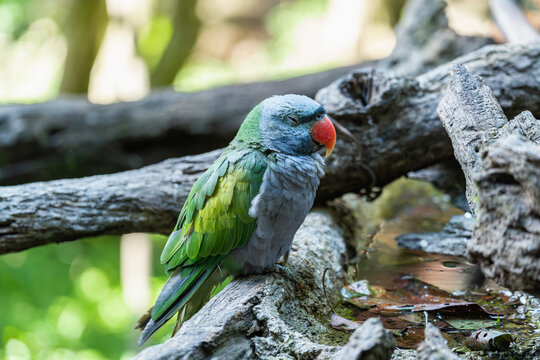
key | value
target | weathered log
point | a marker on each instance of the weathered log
(71, 138)
(369, 342)
(143, 200)
(261, 316)
(402, 133)
(506, 236)
(394, 118)
(473, 119)
(501, 163)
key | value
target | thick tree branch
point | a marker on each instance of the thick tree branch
(145, 200)
(394, 118)
(501, 163)
(397, 127)
(265, 315)
(72, 138)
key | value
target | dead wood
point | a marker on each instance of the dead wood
(265, 316)
(70, 137)
(397, 127)
(394, 117)
(501, 163)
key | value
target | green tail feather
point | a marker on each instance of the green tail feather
(178, 290)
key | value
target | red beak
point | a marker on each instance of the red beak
(323, 132)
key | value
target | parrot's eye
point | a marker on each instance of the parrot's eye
(293, 119)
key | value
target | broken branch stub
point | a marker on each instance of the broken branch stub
(501, 163)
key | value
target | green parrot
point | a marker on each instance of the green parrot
(241, 215)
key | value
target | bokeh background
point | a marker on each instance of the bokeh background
(80, 300)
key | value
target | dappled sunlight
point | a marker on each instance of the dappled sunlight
(31, 66)
(127, 84)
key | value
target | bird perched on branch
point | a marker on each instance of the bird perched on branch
(241, 215)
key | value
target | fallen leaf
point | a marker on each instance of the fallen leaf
(488, 340)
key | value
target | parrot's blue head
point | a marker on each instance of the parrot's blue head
(295, 125)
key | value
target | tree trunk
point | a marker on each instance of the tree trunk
(186, 27)
(85, 29)
(501, 163)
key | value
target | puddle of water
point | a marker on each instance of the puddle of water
(385, 261)
(384, 265)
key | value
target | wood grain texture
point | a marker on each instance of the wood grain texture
(398, 131)
(70, 137)
(501, 162)
(394, 118)
(261, 316)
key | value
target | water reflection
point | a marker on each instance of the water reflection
(385, 262)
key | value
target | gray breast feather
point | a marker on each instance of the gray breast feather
(286, 196)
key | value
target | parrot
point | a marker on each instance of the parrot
(241, 215)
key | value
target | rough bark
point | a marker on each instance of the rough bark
(506, 236)
(369, 342)
(473, 119)
(401, 133)
(143, 200)
(394, 118)
(72, 138)
(501, 163)
(267, 316)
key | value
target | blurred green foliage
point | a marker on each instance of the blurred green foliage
(65, 302)
(153, 39)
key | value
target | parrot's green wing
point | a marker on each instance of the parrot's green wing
(213, 221)
(215, 218)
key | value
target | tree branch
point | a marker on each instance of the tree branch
(145, 200)
(501, 163)
(394, 118)
(265, 315)
(71, 137)
(397, 127)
